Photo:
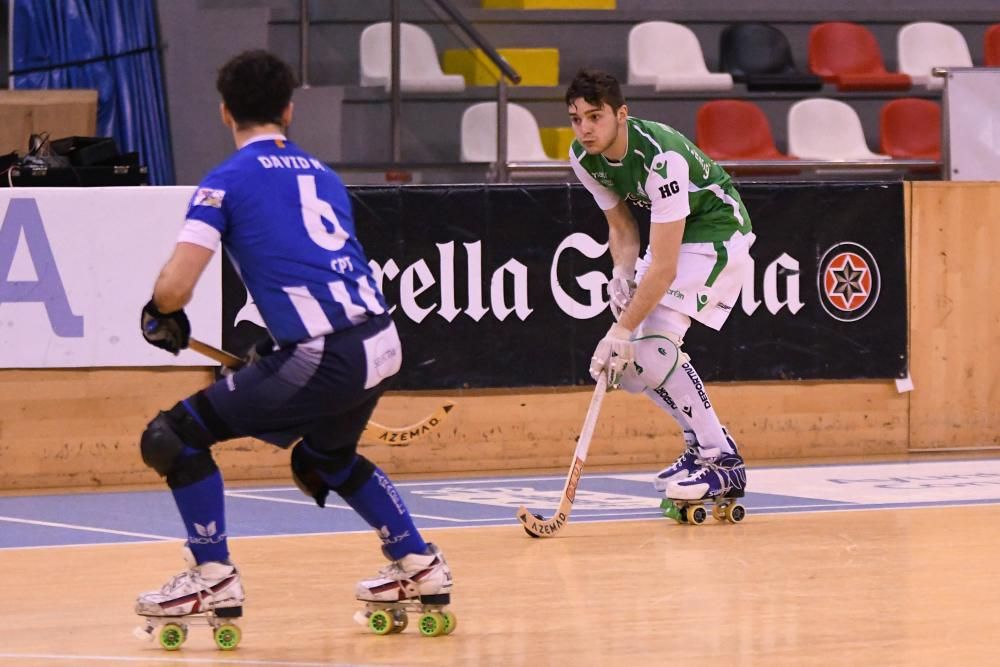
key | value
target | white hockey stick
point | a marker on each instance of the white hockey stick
(534, 524)
(390, 435)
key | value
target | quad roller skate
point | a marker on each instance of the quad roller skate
(416, 584)
(718, 484)
(209, 594)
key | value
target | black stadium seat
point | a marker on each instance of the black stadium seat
(760, 56)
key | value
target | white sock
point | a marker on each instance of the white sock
(694, 411)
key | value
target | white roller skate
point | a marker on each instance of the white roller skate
(685, 465)
(419, 583)
(210, 593)
(719, 482)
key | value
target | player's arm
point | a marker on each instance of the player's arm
(623, 239)
(664, 249)
(667, 185)
(179, 275)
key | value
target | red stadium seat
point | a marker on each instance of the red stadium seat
(846, 54)
(910, 128)
(735, 130)
(991, 46)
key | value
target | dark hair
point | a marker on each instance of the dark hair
(256, 86)
(596, 87)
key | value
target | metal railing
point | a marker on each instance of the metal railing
(466, 32)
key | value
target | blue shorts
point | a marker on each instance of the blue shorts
(323, 390)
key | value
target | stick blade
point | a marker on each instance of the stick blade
(535, 525)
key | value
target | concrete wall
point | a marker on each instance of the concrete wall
(352, 124)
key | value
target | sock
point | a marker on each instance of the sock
(379, 503)
(202, 508)
(687, 391)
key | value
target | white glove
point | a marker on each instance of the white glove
(612, 354)
(620, 293)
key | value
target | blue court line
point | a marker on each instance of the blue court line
(40, 521)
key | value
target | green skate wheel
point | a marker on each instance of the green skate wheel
(450, 622)
(671, 511)
(227, 636)
(431, 624)
(399, 622)
(380, 622)
(736, 513)
(172, 636)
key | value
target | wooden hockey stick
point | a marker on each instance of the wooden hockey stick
(396, 437)
(534, 524)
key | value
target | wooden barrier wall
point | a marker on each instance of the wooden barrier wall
(81, 428)
(61, 113)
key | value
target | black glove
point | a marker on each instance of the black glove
(260, 349)
(167, 331)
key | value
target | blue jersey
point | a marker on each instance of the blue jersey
(285, 219)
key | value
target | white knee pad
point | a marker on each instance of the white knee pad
(656, 356)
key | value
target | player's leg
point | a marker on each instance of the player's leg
(708, 282)
(325, 461)
(177, 445)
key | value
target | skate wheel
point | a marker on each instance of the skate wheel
(736, 513)
(227, 636)
(399, 622)
(172, 636)
(380, 622)
(431, 624)
(719, 512)
(450, 622)
(697, 515)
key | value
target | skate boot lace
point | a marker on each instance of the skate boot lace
(393, 571)
(690, 451)
(179, 580)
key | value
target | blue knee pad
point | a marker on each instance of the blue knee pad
(342, 471)
(176, 446)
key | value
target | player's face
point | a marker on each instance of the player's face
(595, 127)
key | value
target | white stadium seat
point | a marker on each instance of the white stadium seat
(479, 134)
(419, 69)
(824, 129)
(668, 55)
(924, 45)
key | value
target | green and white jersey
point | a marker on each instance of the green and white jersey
(669, 175)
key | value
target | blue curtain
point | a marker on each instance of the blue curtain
(110, 45)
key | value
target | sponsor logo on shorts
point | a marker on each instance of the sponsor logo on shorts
(849, 281)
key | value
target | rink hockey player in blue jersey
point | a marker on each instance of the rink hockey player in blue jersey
(285, 219)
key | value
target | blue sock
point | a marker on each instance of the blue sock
(379, 503)
(202, 508)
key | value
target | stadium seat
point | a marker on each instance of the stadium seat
(680, 67)
(991, 46)
(910, 128)
(735, 130)
(759, 55)
(847, 55)
(825, 129)
(479, 134)
(925, 45)
(419, 69)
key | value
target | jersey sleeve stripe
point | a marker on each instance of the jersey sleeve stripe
(200, 233)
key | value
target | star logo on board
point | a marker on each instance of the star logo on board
(849, 281)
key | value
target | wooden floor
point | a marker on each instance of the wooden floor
(886, 588)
